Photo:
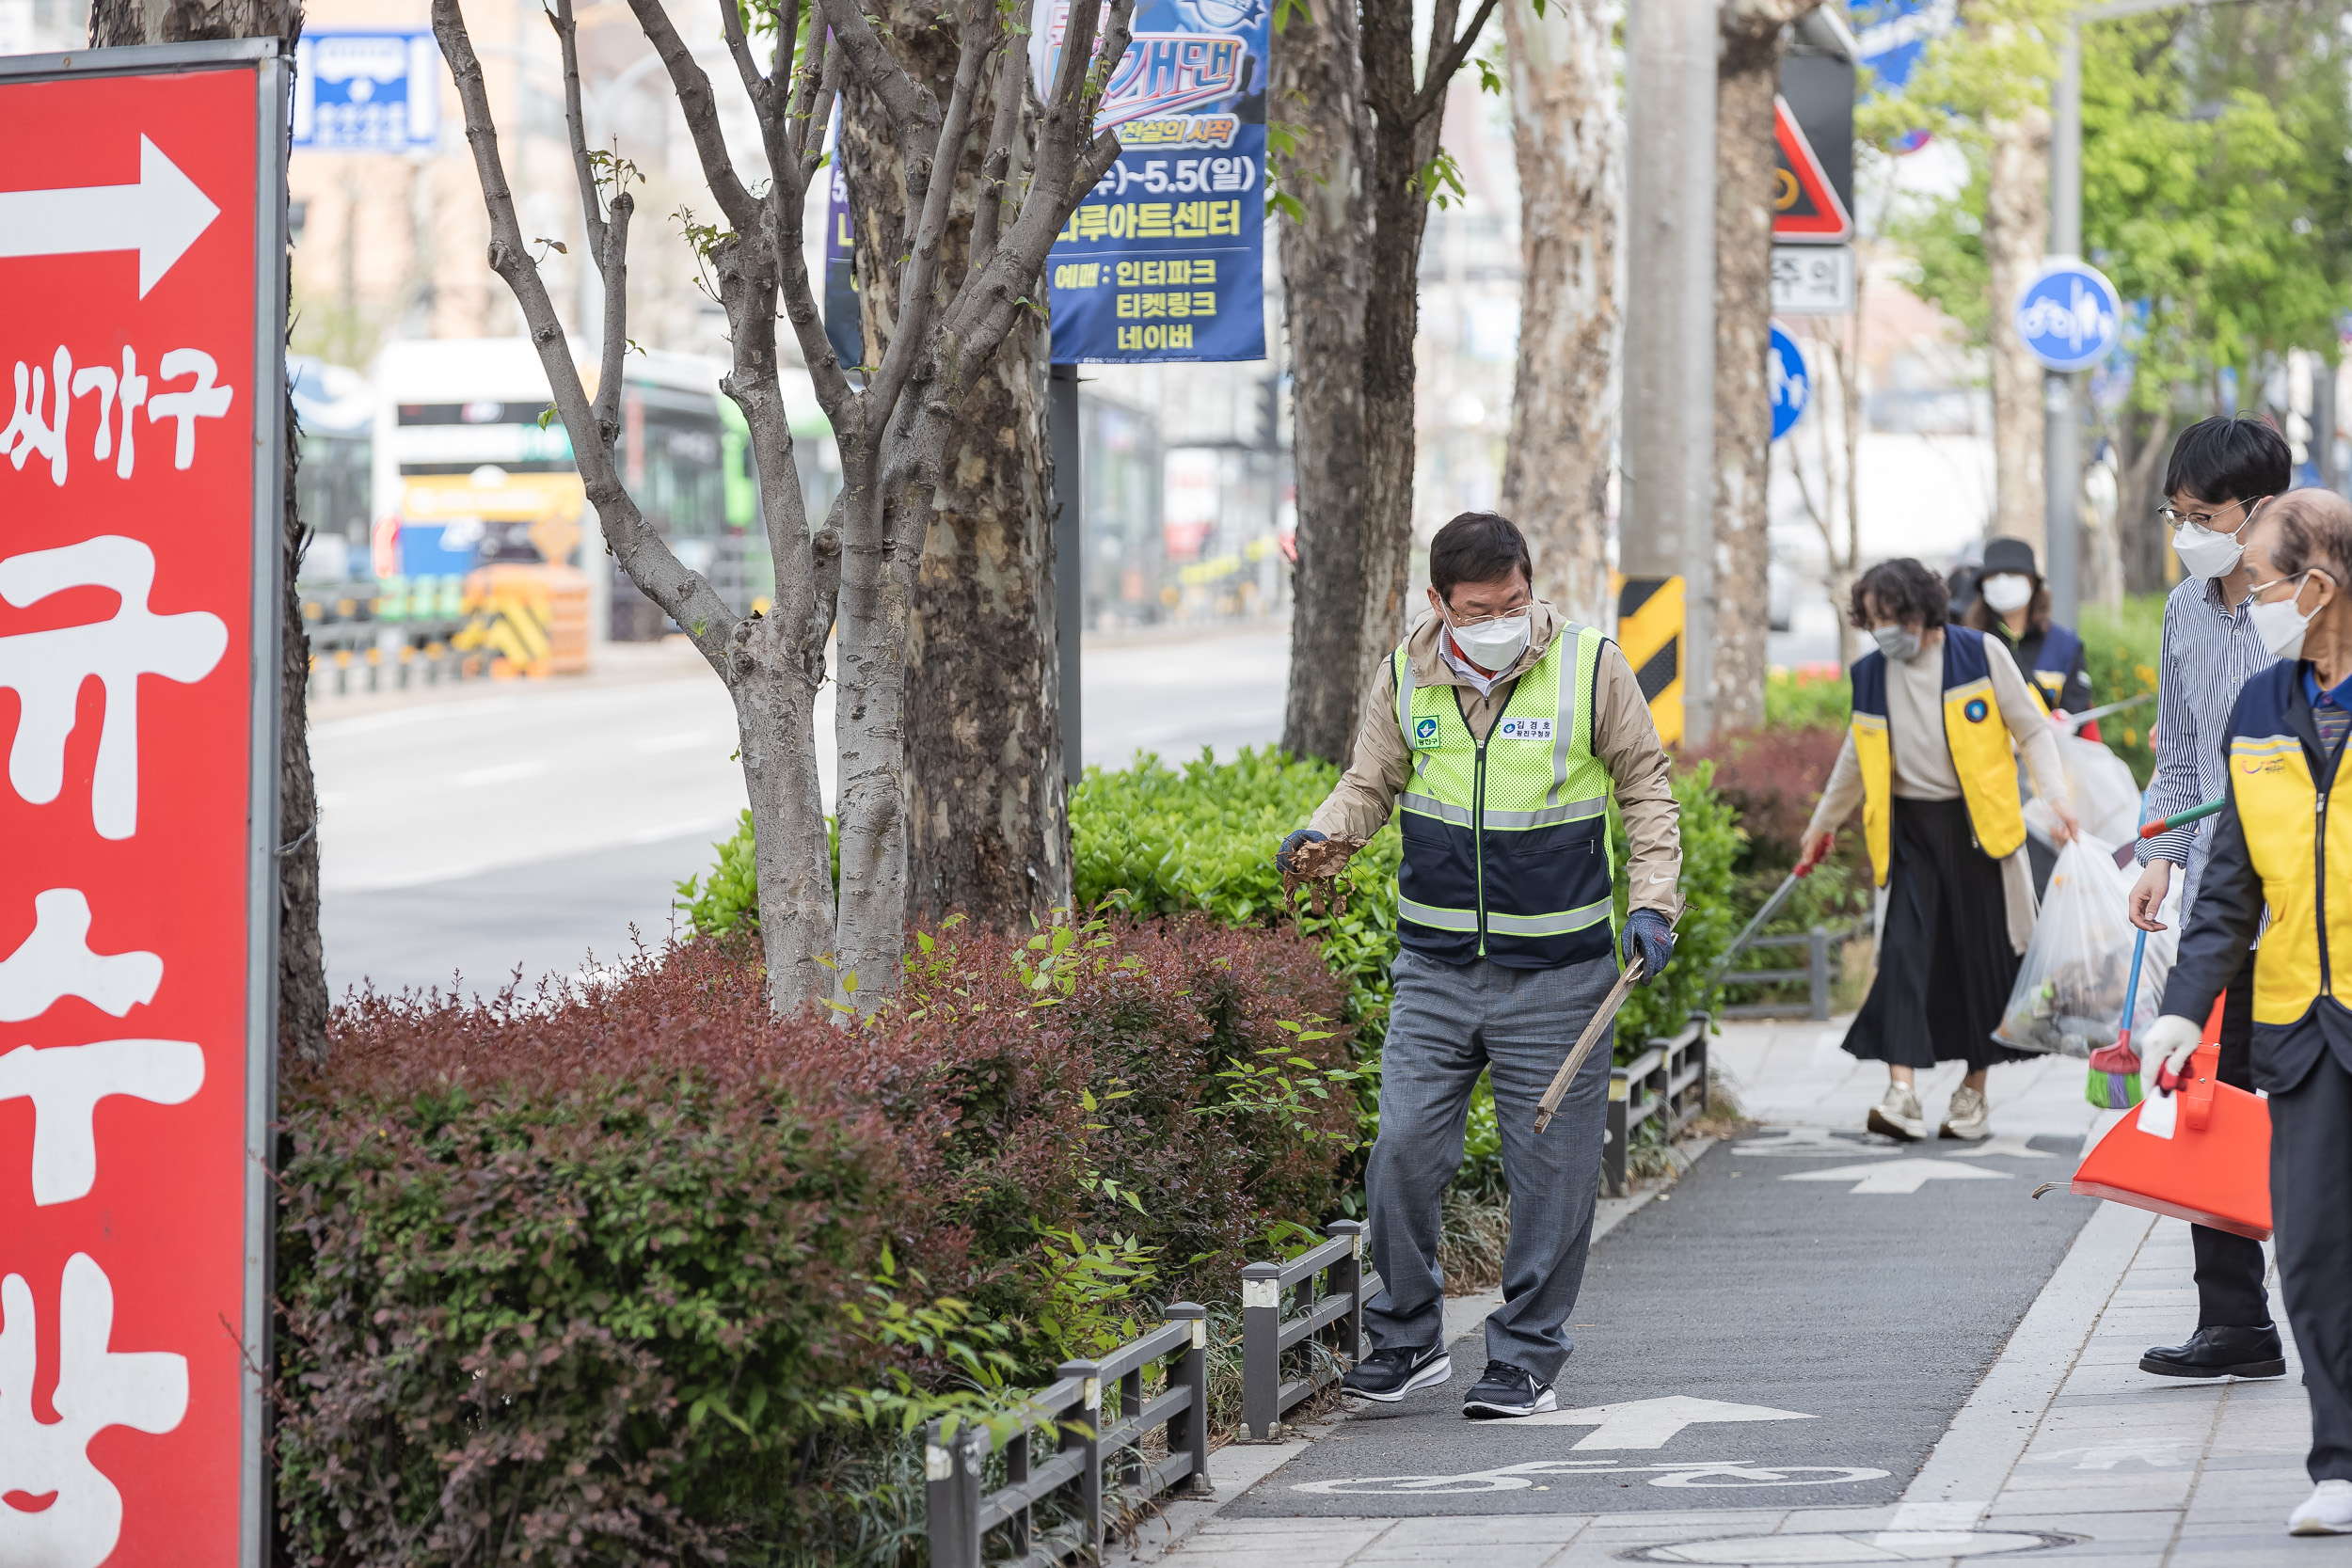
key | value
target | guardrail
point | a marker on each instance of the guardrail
(1667, 1083)
(1266, 1333)
(1817, 973)
(962, 1514)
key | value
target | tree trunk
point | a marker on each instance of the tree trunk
(1563, 118)
(987, 821)
(1402, 146)
(2016, 232)
(1325, 238)
(303, 1002)
(1747, 77)
(2142, 442)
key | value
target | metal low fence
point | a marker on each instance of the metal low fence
(1666, 1084)
(1097, 1411)
(1821, 945)
(1327, 1286)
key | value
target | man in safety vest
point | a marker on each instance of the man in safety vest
(1501, 729)
(2281, 846)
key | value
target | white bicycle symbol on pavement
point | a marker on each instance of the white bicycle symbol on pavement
(1517, 1478)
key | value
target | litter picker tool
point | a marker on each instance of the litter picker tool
(2076, 720)
(1603, 1015)
(1747, 932)
(2182, 819)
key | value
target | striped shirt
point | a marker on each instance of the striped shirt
(2209, 651)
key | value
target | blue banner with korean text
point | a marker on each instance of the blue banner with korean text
(1164, 258)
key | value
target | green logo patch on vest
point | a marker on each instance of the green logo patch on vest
(1425, 735)
(1524, 729)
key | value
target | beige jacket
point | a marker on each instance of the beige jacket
(1623, 738)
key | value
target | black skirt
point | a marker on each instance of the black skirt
(1945, 966)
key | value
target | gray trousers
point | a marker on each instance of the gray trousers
(1520, 1023)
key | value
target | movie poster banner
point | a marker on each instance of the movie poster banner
(1163, 260)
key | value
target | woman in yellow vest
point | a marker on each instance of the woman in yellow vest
(1940, 717)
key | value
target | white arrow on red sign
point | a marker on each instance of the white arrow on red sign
(159, 217)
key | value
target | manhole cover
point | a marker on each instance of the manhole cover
(1896, 1546)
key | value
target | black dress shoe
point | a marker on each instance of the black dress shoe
(2220, 1352)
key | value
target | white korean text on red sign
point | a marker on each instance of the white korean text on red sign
(141, 253)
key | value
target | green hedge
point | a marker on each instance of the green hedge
(646, 1275)
(2120, 650)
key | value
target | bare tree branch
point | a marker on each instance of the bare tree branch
(914, 112)
(1439, 76)
(575, 121)
(692, 87)
(685, 596)
(916, 278)
(996, 167)
(612, 263)
(800, 124)
(740, 49)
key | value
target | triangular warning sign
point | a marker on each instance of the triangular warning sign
(1805, 204)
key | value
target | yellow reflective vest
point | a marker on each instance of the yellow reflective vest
(1983, 752)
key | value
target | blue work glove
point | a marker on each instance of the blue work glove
(1650, 934)
(1304, 835)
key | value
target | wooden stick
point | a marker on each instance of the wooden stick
(1603, 1015)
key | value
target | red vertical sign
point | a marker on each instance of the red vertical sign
(135, 486)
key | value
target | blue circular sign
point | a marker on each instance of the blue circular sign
(2070, 316)
(1792, 384)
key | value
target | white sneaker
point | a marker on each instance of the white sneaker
(1899, 1115)
(2327, 1512)
(1970, 1117)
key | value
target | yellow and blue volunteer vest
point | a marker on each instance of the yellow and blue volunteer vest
(1506, 844)
(2291, 837)
(2054, 665)
(1982, 753)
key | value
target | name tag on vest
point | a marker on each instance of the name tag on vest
(1425, 735)
(1524, 729)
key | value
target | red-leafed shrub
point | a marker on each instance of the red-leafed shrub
(1772, 778)
(595, 1278)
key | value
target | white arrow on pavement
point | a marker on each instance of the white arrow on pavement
(1648, 1423)
(1810, 1143)
(1900, 1176)
(159, 217)
(2016, 1148)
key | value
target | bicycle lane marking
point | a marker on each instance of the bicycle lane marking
(1846, 1321)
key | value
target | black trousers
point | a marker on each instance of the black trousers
(2229, 1268)
(2311, 1193)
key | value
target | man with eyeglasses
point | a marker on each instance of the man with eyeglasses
(2222, 473)
(2279, 851)
(1501, 729)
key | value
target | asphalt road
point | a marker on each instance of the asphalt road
(532, 823)
(1816, 1335)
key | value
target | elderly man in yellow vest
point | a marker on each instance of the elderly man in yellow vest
(1501, 729)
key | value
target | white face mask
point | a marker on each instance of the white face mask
(2207, 554)
(1494, 644)
(1900, 644)
(2280, 625)
(2007, 591)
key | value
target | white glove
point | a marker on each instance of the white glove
(2170, 1041)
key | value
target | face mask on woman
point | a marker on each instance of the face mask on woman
(2007, 591)
(1900, 644)
(2279, 624)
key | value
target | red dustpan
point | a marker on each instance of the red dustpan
(2210, 1166)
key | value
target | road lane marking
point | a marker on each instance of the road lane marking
(1901, 1176)
(1649, 1423)
(499, 773)
(1706, 1473)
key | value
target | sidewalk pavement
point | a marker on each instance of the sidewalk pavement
(2066, 1450)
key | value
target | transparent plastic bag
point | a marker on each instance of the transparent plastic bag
(2100, 787)
(2069, 996)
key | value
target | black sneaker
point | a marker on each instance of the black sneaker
(1507, 1390)
(1389, 1375)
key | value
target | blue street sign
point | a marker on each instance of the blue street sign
(1162, 260)
(1792, 386)
(377, 91)
(2070, 316)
